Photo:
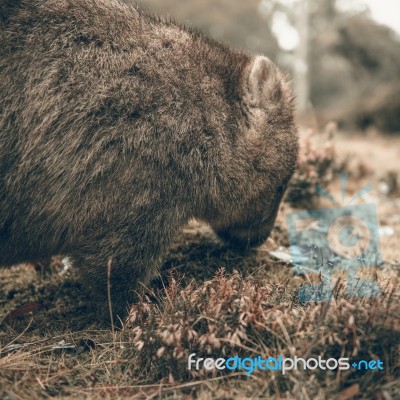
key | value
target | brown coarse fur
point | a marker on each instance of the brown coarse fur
(117, 127)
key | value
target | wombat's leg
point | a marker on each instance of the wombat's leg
(133, 256)
(127, 272)
(128, 269)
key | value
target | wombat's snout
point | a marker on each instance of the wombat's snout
(253, 230)
(243, 238)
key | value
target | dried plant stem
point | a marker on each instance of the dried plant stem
(109, 295)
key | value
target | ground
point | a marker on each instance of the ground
(209, 300)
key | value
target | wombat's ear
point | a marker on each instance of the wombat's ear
(264, 81)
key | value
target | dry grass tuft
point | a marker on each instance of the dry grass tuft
(317, 165)
(229, 316)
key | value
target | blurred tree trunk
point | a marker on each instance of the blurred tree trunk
(302, 83)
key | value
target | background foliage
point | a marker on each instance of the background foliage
(353, 62)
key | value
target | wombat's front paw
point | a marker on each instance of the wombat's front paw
(110, 310)
(110, 299)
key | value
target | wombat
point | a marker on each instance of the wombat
(117, 127)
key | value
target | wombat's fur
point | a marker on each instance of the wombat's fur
(117, 127)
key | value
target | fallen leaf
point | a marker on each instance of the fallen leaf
(21, 311)
(350, 392)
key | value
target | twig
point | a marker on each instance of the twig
(109, 295)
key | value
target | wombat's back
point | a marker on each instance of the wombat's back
(98, 97)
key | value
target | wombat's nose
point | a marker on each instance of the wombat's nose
(243, 239)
